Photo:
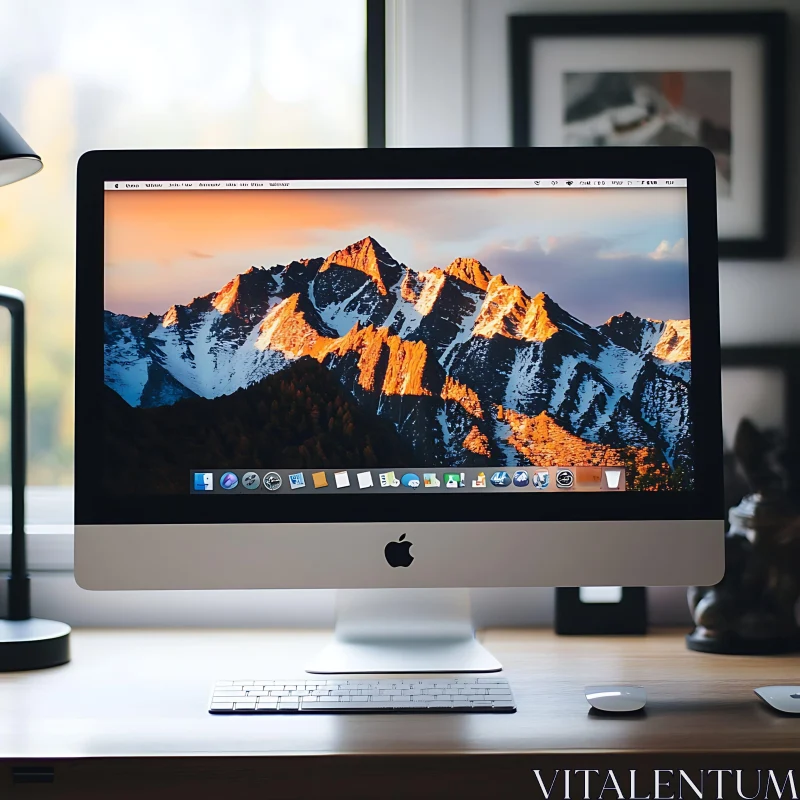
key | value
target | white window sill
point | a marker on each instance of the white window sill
(50, 513)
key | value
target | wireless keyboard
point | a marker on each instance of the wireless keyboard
(359, 695)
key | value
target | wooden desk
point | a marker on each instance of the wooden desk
(131, 698)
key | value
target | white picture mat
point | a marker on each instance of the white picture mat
(740, 214)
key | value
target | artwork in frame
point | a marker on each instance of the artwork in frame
(715, 80)
(762, 384)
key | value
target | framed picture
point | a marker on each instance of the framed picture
(762, 384)
(715, 80)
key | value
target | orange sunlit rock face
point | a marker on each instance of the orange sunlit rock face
(545, 443)
(362, 256)
(477, 442)
(675, 343)
(471, 271)
(227, 297)
(405, 361)
(287, 330)
(537, 325)
(386, 362)
(406, 368)
(508, 311)
(469, 401)
(170, 318)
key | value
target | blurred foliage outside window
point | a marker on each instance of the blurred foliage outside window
(79, 75)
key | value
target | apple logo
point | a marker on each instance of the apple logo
(398, 553)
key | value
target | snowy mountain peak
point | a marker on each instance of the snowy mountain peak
(675, 343)
(625, 318)
(538, 325)
(184, 315)
(422, 288)
(631, 332)
(508, 311)
(504, 308)
(467, 367)
(171, 318)
(471, 271)
(369, 257)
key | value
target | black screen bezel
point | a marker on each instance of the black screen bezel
(696, 165)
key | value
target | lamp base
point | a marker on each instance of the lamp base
(33, 644)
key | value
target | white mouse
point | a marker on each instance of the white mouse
(781, 698)
(616, 699)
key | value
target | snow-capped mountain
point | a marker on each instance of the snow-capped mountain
(464, 364)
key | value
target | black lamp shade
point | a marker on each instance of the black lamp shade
(17, 160)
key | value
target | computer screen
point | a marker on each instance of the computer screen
(396, 336)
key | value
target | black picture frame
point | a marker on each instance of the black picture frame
(376, 73)
(786, 358)
(574, 617)
(770, 26)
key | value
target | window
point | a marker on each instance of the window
(89, 74)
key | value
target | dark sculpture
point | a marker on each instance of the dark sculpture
(752, 610)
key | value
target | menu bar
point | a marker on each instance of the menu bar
(422, 183)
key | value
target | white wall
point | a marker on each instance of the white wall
(453, 57)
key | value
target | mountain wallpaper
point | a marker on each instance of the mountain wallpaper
(354, 359)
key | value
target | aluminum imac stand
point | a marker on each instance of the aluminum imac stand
(403, 630)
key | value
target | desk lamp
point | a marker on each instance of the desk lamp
(25, 643)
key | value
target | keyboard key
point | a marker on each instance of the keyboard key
(222, 706)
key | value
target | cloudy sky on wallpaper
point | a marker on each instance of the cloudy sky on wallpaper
(596, 252)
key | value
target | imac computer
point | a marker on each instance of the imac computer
(405, 370)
